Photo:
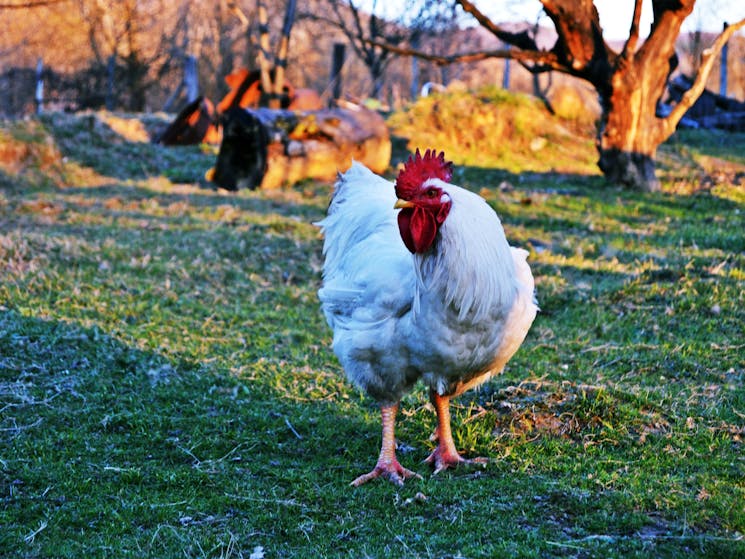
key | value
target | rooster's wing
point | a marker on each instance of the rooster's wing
(368, 284)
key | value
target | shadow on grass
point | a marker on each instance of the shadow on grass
(198, 198)
(103, 441)
(592, 186)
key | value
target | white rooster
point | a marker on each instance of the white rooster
(432, 292)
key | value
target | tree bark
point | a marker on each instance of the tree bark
(627, 137)
(629, 168)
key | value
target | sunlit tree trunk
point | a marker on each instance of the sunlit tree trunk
(630, 128)
(630, 83)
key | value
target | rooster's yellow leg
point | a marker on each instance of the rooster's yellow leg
(387, 466)
(445, 455)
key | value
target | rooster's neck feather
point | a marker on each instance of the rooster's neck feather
(470, 266)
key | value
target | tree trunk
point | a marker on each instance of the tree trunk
(376, 76)
(629, 168)
(627, 138)
(630, 129)
(630, 83)
(135, 78)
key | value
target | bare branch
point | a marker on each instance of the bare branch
(545, 60)
(699, 83)
(234, 9)
(340, 24)
(29, 4)
(668, 17)
(580, 44)
(355, 16)
(367, 33)
(521, 40)
(630, 46)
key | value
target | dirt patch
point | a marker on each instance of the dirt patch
(579, 412)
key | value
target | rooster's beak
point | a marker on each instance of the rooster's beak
(402, 204)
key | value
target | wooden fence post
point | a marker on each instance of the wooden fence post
(110, 67)
(337, 63)
(723, 66)
(415, 44)
(506, 74)
(191, 78)
(39, 95)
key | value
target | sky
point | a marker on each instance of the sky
(615, 15)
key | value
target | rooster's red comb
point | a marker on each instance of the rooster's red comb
(418, 169)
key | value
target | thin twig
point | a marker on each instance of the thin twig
(294, 432)
(32, 535)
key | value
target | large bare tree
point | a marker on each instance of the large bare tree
(630, 82)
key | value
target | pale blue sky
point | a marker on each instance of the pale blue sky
(615, 15)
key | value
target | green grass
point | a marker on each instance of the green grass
(495, 128)
(167, 387)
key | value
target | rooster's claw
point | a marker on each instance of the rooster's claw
(392, 471)
(442, 461)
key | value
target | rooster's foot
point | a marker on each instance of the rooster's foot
(390, 470)
(441, 460)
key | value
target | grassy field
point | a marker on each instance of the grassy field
(167, 387)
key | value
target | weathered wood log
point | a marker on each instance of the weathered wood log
(265, 148)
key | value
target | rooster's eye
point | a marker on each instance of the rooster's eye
(431, 193)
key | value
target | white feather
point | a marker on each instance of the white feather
(450, 317)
